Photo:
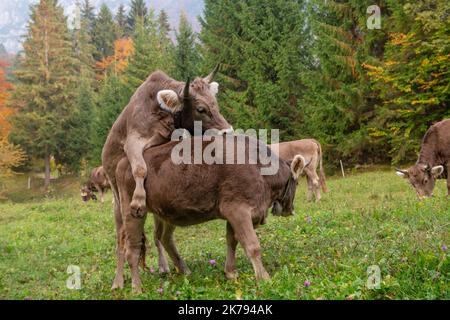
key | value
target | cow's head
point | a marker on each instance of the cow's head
(87, 193)
(196, 102)
(284, 205)
(422, 177)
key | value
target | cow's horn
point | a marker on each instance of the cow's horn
(211, 76)
(186, 89)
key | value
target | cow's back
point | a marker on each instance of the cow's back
(288, 150)
(193, 193)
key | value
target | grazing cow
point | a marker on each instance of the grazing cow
(433, 162)
(189, 194)
(98, 182)
(311, 150)
(158, 107)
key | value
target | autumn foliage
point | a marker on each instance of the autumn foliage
(5, 112)
(117, 63)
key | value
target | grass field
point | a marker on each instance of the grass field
(366, 219)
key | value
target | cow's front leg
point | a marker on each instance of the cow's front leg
(134, 148)
(169, 245)
(157, 234)
(230, 263)
(241, 221)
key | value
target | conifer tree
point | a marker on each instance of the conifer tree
(121, 22)
(44, 95)
(186, 54)
(104, 33)
(138, 12)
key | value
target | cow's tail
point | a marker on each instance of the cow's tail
(321, 171)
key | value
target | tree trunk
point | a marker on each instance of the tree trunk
(47, 169)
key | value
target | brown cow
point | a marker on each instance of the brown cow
(433, 162)
(311, 150)
(160, 105)
(186, 194)
(98, 181)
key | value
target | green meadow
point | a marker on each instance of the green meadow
(367, 219)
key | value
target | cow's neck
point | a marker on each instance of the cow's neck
(279, 181)
(427, 154)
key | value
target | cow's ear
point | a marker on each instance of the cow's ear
(297, 166)
(168, 101)
(437, 171)
(214, 87)
(402, 173)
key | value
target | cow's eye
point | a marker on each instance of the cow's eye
(201, 110)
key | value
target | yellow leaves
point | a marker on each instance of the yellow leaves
(10, 156)
(398, 38)
(432, 101)
(123, 49)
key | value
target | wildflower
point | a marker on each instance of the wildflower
(308, 219)
(307, 283)
(160, 290)
(212, 262)
(444, 248)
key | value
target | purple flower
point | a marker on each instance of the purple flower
(160, 290)
(212, 262)
(308, 219)
(307, 283)
(444, 248)
(152, 270)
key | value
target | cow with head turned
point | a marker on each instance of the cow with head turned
(98, 182)
(158, 107)
(311, 149)
(433, 162)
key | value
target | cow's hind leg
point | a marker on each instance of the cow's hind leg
(120, 245)
(309, 195)
(241, 221)
(230, 263)
(157, 234)
(448, 180)
(169, 245)
(134, 231)
(315, 184)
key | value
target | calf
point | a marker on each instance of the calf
(185, 194)
(98, 182)
(311, 150)
(433, 162)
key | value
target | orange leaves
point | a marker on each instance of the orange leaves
(5, 88)
(123, 49)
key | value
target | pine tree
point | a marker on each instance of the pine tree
(186, 54)
(164, 25)
(138, 11)
(113, 97)
(88, 15)
(148, 55)
(45, 93)
(262, 47)
(104, 33)
(121, 22)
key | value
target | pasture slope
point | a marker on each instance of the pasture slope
(367, 219)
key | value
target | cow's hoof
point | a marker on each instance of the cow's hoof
(233, 275)
(117, 285)
(137, 290)
(263, 277)
(164, 269)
